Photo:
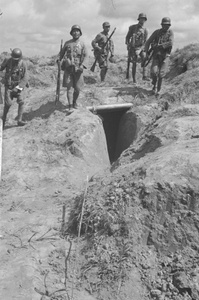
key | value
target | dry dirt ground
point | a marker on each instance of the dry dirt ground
(138, 213)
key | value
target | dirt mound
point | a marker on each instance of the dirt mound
(74, 225)
(145, 217)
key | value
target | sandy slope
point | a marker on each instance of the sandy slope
(47, 165)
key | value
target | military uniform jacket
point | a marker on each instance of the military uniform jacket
(136, 36)
(16, 74)
(75, 51)
(100, 40)
(161, 41)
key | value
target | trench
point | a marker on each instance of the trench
(120, 127)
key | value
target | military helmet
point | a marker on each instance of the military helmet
(142, 15)
(166, 20)
(106, 24)
(75, 27)
(16, 54)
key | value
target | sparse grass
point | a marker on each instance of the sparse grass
(184, 59)
(106, 242)
(182, 81)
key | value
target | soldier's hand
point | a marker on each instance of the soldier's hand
(144, 54)
(80, 69)
(70, 62)
(159, 47)
(112, 59)
(15, 90)
(99, 49)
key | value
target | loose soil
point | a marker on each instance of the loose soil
(138, 212)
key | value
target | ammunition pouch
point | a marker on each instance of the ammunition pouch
(63, 67)
(66, 64)
(3, 81)
(78, 70)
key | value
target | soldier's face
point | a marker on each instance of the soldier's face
(15, 61)
(76, 34)
(165, 27)
(106, 28)
(142, 21)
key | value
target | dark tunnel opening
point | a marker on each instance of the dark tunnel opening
(111, 122)
(120, 127)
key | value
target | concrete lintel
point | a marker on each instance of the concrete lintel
(110, 107)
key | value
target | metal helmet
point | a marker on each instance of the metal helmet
(142, 15)
(75, 27)
(16, 54)
(166, 21)
(106, 24)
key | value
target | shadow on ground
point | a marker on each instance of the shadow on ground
(44, 111)
(133, 91)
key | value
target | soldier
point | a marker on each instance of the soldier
(161, 42)
(74, 55)
(103, 52)
(135, 41)
(15, 81)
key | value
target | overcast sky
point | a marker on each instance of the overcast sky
(37, 26)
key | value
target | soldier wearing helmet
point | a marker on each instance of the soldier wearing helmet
(74, 60)
(135, 41)
(161, 43)
(15, 81)
(103, 53)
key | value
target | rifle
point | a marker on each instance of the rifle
(128, 64)
(131, 45)
(1, 97)
(58, 76)
(148, 57)
(151, 51)
(96, 58)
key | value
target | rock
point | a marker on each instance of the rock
(180, 280)
(155, 293)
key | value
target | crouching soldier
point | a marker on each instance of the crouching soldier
(15, 81)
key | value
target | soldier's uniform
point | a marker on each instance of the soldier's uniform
(103, 56)
(15, 81)
(135, 39)
(75, 58)
(161, 41)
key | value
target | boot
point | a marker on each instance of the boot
(154, 89)
(4, 121)
(75, 105)
(20, 114)
(70, 107)
(75, 96)
(159, 84)
(69, 98)
(134, 72)
(144, 77)
(5, 112)
(103, 74)
(154, 81)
